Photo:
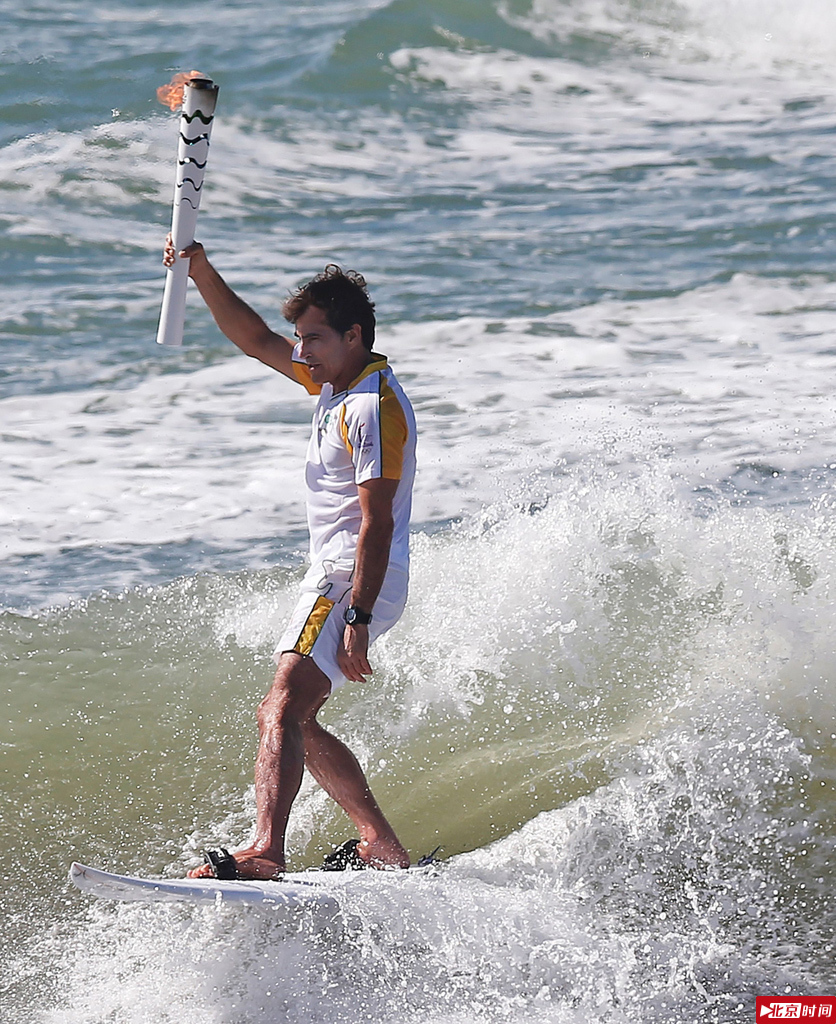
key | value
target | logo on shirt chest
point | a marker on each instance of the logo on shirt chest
(323, 424)
(331, 448)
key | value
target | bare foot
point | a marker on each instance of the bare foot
(383, 853)
(250, 863)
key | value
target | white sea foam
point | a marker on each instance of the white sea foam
(728, 380)
(554, 641)
(779, 36)
(657, 895)
(101, 169)
(652, 681)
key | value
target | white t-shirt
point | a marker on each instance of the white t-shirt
(360, 434)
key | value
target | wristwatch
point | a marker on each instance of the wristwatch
(355, 617)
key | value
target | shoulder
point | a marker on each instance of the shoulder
(379, 395)
(301, 372)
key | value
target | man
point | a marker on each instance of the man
(359, 473)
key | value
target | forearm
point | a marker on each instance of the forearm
(371, 560)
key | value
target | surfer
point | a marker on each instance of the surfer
(359, 473)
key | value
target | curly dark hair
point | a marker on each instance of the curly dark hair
(343, 298)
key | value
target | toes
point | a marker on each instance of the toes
(204, 871)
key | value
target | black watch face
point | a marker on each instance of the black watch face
(354, 615)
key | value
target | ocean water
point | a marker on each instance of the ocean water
(599, 235)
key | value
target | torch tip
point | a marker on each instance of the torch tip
(171, 94)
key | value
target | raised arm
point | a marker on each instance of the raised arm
(238, 321)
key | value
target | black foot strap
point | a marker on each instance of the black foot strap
(223, 864)
(345, 858)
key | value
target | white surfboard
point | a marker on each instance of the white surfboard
(311, 889)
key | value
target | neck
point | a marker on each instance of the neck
(352, 369)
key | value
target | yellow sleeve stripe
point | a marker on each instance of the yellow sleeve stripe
(303, 375)
(344, 432)
(393, 432)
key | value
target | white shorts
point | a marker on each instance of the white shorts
(316, 625)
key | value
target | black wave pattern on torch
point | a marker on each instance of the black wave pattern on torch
(204, 137)
(195, 186)
(188, 118)
(198, 138)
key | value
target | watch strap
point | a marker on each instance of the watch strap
(355, 616)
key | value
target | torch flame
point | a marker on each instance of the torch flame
(172, 94)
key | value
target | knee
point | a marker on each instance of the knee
(294, 695)
(279, 701)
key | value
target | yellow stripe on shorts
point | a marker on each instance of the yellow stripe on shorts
(313, 626)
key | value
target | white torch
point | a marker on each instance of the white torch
(198, 96)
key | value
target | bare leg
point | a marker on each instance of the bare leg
(297, 693)
(337, 770)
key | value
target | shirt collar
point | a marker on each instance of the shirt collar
(379, 362)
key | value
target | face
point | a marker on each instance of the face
(330, 355)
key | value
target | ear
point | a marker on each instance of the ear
(354, 335)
